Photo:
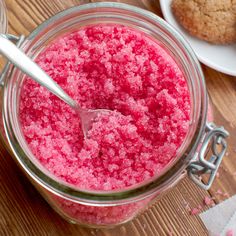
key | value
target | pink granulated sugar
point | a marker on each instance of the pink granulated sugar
(117, 68)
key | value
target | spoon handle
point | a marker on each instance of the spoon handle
(25, 64)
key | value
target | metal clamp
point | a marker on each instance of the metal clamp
(18, 40)
(215, 136)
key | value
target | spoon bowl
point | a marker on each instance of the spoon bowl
(88, 116)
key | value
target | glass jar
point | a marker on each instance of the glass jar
(97, 208)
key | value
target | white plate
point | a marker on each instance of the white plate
(218, 57)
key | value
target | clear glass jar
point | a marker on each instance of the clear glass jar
(94, 208)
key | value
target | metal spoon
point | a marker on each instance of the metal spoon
(26, 65)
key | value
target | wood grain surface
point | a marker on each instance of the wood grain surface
(24, 212)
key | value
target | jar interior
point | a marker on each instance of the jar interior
(157, 30)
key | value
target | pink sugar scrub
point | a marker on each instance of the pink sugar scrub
(117, 68)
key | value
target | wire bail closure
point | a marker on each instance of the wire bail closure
(215, 136)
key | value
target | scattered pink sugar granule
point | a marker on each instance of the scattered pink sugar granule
(230, 232)
(195, 211)
(117, 68)
(208, 201)
(219, 192)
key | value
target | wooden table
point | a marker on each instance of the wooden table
(24, 212)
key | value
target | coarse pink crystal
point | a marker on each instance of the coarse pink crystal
(116, 68)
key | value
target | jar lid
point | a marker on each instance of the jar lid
(3, 17)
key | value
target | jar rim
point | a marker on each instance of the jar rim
(139, 191)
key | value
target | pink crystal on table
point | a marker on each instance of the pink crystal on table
(195, 211)
(117, 68)
(208, 201)
(230, 232)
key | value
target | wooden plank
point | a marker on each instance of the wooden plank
(24, 212)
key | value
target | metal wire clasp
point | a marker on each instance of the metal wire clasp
(215, 136)
(18, 40)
